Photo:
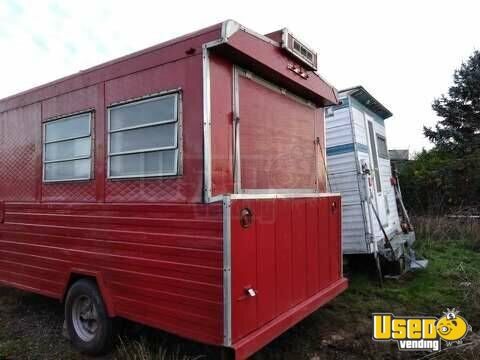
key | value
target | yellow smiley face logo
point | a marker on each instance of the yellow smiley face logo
(452, 329)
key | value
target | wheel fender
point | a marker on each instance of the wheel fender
(76, 273)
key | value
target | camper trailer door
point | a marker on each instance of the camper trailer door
(378, 200)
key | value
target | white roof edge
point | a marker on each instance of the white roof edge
(230, 27)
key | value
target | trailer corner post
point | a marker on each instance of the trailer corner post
(227, 273)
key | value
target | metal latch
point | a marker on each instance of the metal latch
(248, 293)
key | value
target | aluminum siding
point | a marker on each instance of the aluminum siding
(343, 178)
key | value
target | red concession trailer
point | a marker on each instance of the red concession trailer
(181, 187)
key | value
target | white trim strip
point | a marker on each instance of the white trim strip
(281, 196)
(207, 125)
(278, 191)
(227, 273)
(207, 151)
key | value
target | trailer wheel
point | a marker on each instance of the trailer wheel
(88, 325)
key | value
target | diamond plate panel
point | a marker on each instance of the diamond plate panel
(171, 190)
(20, 151)
(74, 191)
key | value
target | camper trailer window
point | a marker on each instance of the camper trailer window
(382, 147)
(67, 145)
(143, 138)
(373, 147)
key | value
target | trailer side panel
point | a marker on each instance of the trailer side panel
(161, 265)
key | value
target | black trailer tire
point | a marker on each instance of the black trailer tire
(88, 325)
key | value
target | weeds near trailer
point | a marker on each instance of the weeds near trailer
(441, 229)
(144, 350)
(30, 327)
(468, 350)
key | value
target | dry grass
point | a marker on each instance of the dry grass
(441, 228)
(143, 350)
(470, 350)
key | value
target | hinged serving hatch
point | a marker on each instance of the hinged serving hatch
(297, 48)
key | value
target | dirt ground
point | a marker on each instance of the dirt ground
(31, 327)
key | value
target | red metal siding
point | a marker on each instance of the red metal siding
(185, 74)
(162, 265)
(320, 150)
(221, 119)
(334, 231)
(156, 251)
(20, 149)
(288, 255)
(283, 254)
(244, 274)
(275, 59)
(299, 247)
(267, 268)
(164, 67)
(89, 98)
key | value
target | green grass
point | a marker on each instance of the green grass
(443, 284)
(342, 329)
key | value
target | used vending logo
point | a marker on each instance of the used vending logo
(421, 333)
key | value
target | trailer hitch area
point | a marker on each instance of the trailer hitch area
(250, 292)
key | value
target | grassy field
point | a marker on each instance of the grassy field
(30, 325)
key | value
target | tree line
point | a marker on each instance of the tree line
(446, 178)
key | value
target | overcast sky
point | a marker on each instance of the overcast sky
(403, 52)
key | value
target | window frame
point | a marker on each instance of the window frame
(384, 139)
(90, 135)
(177, 95)
(374, 151)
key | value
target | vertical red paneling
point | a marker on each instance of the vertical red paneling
(244, 272)
(333, 237)
(324, 255)
(266, 265)
(289, 255)
(320, 150)
(101, 138)
(299, 249)
(283, 252)
(221, 119)
(312, 257)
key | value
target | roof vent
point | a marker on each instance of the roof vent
(302, 52)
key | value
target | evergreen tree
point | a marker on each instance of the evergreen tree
(459, 129)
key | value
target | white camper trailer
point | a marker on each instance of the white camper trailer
(374, 218)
